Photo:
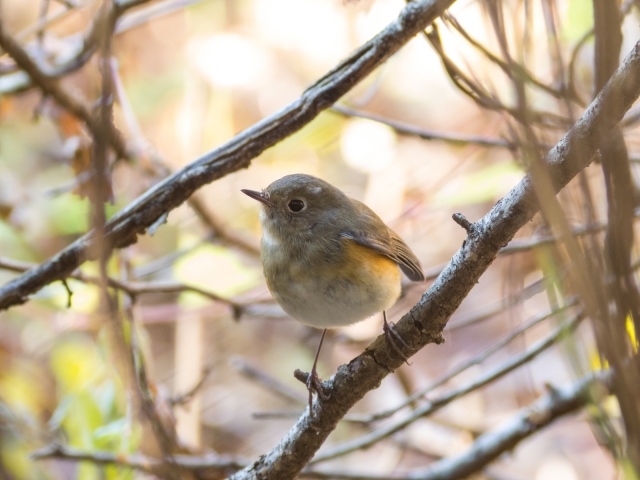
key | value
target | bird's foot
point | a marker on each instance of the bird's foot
(393, 339)
(314, 384)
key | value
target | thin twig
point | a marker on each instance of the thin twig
(519, 69)
(187, 396)
(504, 438)
(461, 220)
(221, 463)
(560, 401)
(52, 88)
(134, 288)
(263, 378)
(43, 22)
(476, 360)
(81, 47)
(482, 96)
(424, 133)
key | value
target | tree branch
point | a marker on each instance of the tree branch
(426, 320)
(212, 462)
(427, 134)
(134, 288)
(504, 438)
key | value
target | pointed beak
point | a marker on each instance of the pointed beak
(260, 196)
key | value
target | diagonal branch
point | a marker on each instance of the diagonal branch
(123, 229)
(505, 437)
(426, 320)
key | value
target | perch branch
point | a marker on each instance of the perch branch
(424, 323)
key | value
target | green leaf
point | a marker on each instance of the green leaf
(12, 244)
(76, 364)
(109, 436)
(578, 21)
(60, 412)
(82, 418)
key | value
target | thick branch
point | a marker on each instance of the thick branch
(133, 220)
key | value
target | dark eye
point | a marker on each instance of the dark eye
(296, 205)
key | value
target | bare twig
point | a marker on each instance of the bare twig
(134, 288)
(272, 384)
(476, 360)
(426, 134)
(631, 118)
(214, 463)
(411, 399)
(461, 220)
(82, 47)
(489, 446)
(482, 96)
(187, 396)
(220, 233)
(160, 169)
(44, 21)
(525, 244)
(509, 70)
(559, 402)
(481, 314)
(622, 294)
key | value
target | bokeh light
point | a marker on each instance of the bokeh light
(367, 145)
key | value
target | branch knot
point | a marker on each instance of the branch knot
(463, 222)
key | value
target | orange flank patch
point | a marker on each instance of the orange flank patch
(363, 262)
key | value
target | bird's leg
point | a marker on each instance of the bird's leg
(314, 384)
(391, 336)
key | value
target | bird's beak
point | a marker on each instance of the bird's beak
(260, 196)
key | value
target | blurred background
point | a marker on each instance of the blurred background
(219, 353)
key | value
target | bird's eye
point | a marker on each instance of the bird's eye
(296, 205)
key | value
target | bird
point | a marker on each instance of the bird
(328, 259)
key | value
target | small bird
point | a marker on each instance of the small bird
(329, 260)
